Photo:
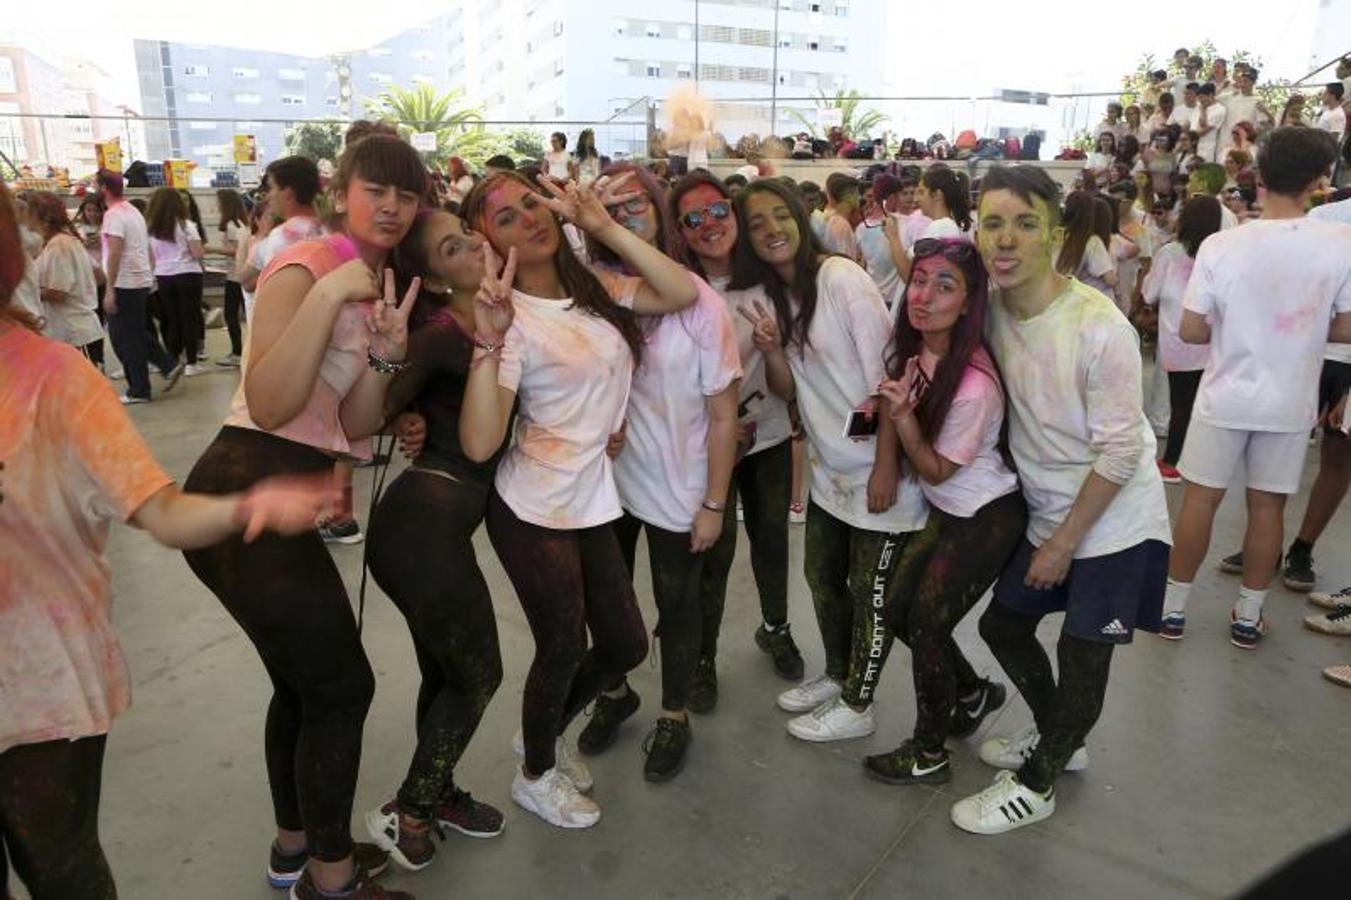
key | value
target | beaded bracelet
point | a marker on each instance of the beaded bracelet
(384, 366)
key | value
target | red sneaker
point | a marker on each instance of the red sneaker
(1169, 473)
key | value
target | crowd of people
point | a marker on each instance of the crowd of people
(572, 356)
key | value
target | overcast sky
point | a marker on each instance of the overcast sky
(951, 48)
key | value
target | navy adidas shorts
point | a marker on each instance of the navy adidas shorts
(1104, 598)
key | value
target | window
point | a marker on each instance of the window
(840, 45)
(330, 101)
(291, 74)
(202, 126)
(249, 99)
(558, 27)
(653, 70)
(423, 79)
(558, 110)
(841, 8)
(245, 72)
(785, 41)
(816, 7)
(292, 100)
(197, 70)
(198, 97)
(684, 70)
(7, 81)
(653, 29)
(814, 43)
(684, 32)
(558, 66)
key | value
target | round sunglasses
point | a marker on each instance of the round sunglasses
(953, 251)
(717, 211)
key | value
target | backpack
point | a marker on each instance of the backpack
(1031, 148)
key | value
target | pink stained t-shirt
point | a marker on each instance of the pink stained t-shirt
(73, 463)
(319, 424)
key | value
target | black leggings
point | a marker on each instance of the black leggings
(420, 550)
(1066, 712)
(763, 481)
(567, 582)
(675, 586)
(1182, 388)
(848, 570)
(49, 820)
(234, 315)
(944, 571)
(287, 595)
(181, 301)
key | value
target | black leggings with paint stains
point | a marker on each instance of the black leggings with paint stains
(1064, 712)
(943, 571)
(49, 820)
(675, 587)
(420, 550)
(568, 582)
(763, 481)
(287, 595)
(848, 570)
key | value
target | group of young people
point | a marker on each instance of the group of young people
(980, 427)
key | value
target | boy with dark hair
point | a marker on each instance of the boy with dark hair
(293, 184)
(1096, 546)
(1332, 118)
(1261, 296)
(842, 213)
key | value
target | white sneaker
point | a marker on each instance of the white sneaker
(1003, 806)
(115, 374)
(1331, 601)
(833, 720)
(555, 799)
(1012, 751)
(193, 369)
(809, 694)
(564, 760)
(1337, 622)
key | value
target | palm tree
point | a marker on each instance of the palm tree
(459, 128)
(856, 123)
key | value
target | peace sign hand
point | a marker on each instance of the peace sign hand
(493, 309)
(581, 205)
(388, 319)
(766, 335)
(901, 392)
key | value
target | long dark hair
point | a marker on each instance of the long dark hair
(1080, 220)
(1200, 218)
(581, 284)
(586, 144)
(656, 196)
(409, 261)
(231, 206)
(676, 246)
(165, 211)
(968, 336)
(749, 270)
(956, 191)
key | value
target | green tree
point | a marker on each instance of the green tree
(317, 140)
(857, 123)
(526, 143)
(1273, 94)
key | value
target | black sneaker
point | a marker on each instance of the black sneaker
(779, 645)
(284, 869)
(1232, 565)
(905, 765)
(607, 715)
(968, 715)
(347, 532)
(1298, 575)
(665, 748)
(704, 688)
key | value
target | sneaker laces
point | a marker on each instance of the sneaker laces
(662, 735)
(1342, 611)
(1005, 786)
(825, 710)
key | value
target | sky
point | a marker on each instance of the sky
(952, 49)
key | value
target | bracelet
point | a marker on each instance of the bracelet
(385, 366)
(494, 353)
(489, 346)
(714, 506)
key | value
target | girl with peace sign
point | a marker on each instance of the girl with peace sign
(562, 343)
(327, 336)
(823, 328)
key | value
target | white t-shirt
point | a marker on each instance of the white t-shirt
(235, 234)
(945, 227)
(126, 222)
(1227, 218)
(1165, 286)
(571, 372)
(293, 231)
(1335, 212)
(1333, 121)
(1182, 115)
(64, 266)
(557, 162)
(818, 222)
(1270, 289)
(1072, 374)
(757, 405)
(838, 236)
(1208, 147)
(174, 257)
(840, 368)
(970, 438)
(1238, 108)
(1094, 264)
(689, 356)
(876, 252)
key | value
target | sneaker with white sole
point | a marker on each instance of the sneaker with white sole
(1338, 675)
(1331, 601)
(555, 799)
(810, 694)
(407, 840)
(1003, 806)
(1012, 751)
(192, 369)
(1337, 622)
(564, 760)
(833, 720)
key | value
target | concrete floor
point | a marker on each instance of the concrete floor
(1209, 764)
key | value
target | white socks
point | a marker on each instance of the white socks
(1175, 597)
(1249, 605)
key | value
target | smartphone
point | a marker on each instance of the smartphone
(861, 424)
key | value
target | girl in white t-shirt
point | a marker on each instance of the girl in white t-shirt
(65, 278)
(944, 196)
(234, 229)
(559, 345)
(558, 162)
(703, 237)
(176, 252)
(823, 340)
(1084, 252)
(945, 403)
(586, 169)
(672, 475)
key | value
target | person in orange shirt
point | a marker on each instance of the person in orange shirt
(71, 461)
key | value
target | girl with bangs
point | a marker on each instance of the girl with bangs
(672, 476)
(945, 402)
(824, 337)
(560, 344)
(325, 342)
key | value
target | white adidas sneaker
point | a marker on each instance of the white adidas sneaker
(1012, 751)
(1003, 806)
(1331, 601)
(564, 760)
(833, 720)
(555, 799)
(810, 694)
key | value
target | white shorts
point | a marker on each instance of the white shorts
(1273, 460)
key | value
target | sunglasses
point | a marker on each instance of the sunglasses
(716, 211)
(953, 251)
(635, 206)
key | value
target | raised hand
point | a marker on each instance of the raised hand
(286, 504)
(582, 205)
(890, 229)
(388, 320)
(493, 309)
(900, 393)
(766, 335)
